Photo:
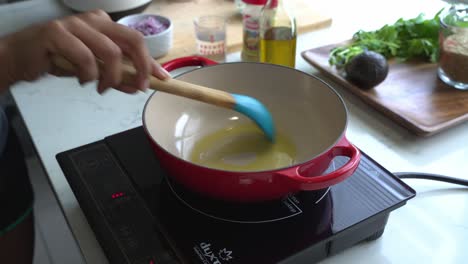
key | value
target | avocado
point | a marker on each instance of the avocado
(367, 69)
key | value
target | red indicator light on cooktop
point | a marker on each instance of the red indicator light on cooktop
(117, 195)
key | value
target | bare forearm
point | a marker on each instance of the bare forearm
(26, 55)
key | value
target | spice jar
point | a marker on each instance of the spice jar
(453, 45)
(250, 23)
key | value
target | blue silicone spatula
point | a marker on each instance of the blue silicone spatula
(249, 106)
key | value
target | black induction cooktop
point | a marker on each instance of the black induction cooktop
(139, 215)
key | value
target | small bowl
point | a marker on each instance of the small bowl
(158, 44)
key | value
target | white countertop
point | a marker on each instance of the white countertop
(431, 228)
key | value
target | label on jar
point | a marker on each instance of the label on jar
(250, 37)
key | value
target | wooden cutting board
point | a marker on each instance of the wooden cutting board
(182, 13)
(411, 95)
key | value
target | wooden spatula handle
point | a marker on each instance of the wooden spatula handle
(172, 86)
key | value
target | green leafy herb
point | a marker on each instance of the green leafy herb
(405, 39)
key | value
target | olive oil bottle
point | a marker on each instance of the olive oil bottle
(278, 34)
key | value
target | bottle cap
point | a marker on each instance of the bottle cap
(255, 2)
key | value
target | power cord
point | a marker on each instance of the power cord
(430, 176)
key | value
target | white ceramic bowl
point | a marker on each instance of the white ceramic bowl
(158, 44)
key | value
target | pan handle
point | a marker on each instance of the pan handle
(186, 62)
(342, 148)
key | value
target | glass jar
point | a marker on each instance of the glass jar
(453, 46)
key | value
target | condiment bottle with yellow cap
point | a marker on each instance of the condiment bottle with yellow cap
(250, 22)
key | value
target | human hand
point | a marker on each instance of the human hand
(80, 39)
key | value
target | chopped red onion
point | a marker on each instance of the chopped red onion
(149, 26)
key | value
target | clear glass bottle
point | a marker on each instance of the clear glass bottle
(278, 34)
(251, 27)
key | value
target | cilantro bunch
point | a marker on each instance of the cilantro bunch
(405, 39)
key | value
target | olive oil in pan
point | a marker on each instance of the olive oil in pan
(243, 147)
